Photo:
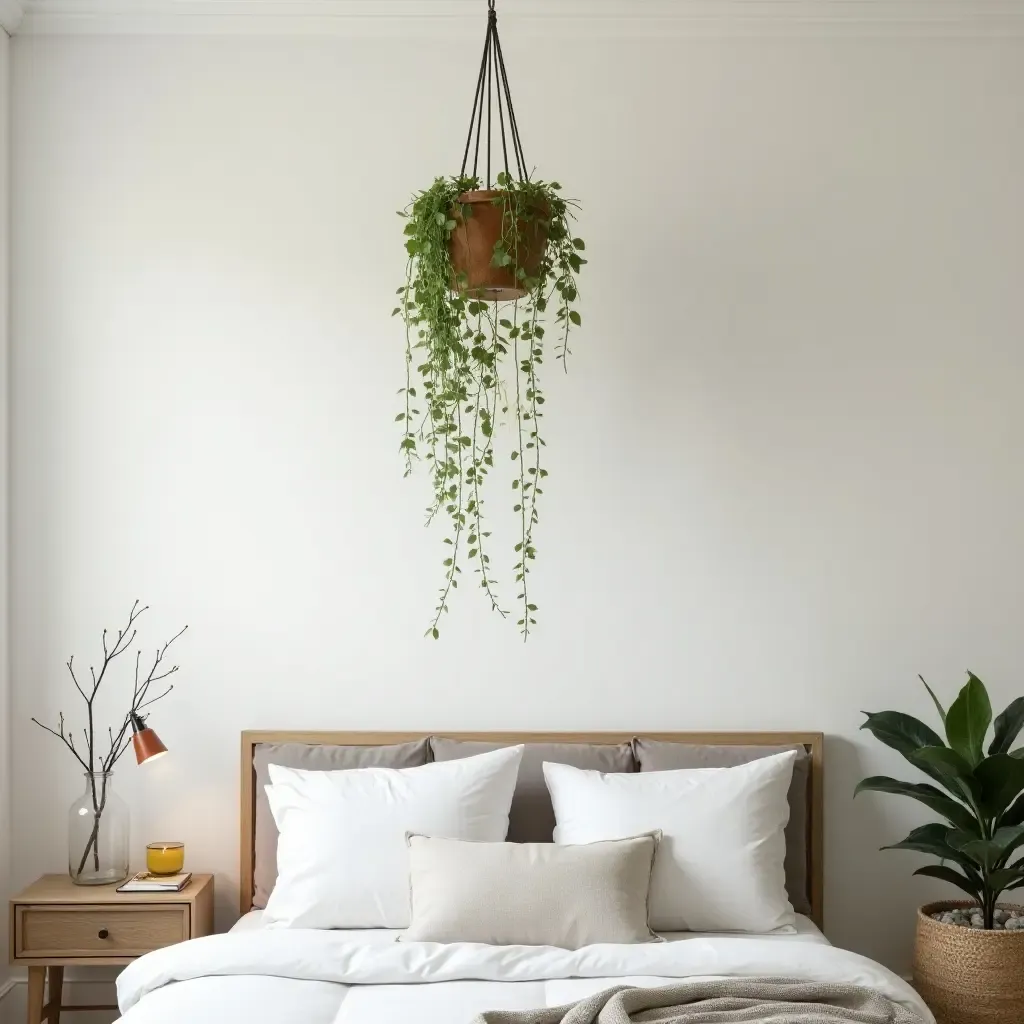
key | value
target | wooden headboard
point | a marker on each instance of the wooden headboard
(813, 742)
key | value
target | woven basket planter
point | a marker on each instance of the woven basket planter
(966, 975)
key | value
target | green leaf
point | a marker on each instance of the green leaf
(955, 813)
(984, 852)
(933, 839)
(575, 317)
(907, 735)
(1004, 878)
(1009, 841)
(947, 761)
(1001, 778)
(434, 633)
(578, 244)
(1015, 814)
(954, 772)
(901, 732)
(1007, 727)
(935, 700)
(947, 874)
(968, 719)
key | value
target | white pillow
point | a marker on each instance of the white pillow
(341, 854)
(531, 894)
(720, 864)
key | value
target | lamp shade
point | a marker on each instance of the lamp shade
(146, 742)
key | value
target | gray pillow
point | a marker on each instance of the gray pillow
(532, 818)
(312, 758)
(530, 894)
(657, 756)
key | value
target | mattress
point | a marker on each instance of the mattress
(275, 976)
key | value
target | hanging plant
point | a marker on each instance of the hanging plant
(492, 267)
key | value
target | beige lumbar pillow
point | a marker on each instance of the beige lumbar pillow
(530, 894)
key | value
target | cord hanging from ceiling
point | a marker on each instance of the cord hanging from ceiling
(493, 94)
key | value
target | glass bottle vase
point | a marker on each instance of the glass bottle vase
(98, 825)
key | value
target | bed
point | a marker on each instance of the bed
(265, 975)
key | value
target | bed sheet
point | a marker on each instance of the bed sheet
(273, 976)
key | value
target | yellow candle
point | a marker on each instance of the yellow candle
(165, 858)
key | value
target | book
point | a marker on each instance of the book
(144, 881)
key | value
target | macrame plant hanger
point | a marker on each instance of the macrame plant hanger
(491, 85)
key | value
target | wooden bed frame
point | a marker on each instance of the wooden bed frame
(813, 742)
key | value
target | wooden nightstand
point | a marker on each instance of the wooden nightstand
(56, 924)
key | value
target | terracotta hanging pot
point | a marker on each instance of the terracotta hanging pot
(471, 247)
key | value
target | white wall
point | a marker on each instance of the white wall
(5, 735)
(785, 465)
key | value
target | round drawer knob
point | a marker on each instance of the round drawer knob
(103, 933)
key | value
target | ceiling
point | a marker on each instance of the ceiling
(613, 17)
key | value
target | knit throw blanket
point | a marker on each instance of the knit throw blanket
(721, 1001)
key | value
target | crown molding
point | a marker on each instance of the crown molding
(602, 18)
(11, 14)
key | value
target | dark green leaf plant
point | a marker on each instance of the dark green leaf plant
(473, 368)
(977, 792)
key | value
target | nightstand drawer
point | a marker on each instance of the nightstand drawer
(91, 931)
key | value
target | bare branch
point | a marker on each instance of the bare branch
(115, 742)
(153, 675)
(74, 678)
(64, 739)
(121, 740)
(125, 637)
(126, 743)
(120, 647)
(163, 675)
(175, 637)
(153, 700)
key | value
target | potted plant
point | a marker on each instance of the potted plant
(490, 264)
(968, 954)
(487, 269)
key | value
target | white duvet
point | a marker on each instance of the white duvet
(264, 976)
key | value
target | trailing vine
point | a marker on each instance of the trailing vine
(473, 366)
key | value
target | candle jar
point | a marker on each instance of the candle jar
(165, 858)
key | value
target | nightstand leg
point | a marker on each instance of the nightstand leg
(55, 993)
(36, 986)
